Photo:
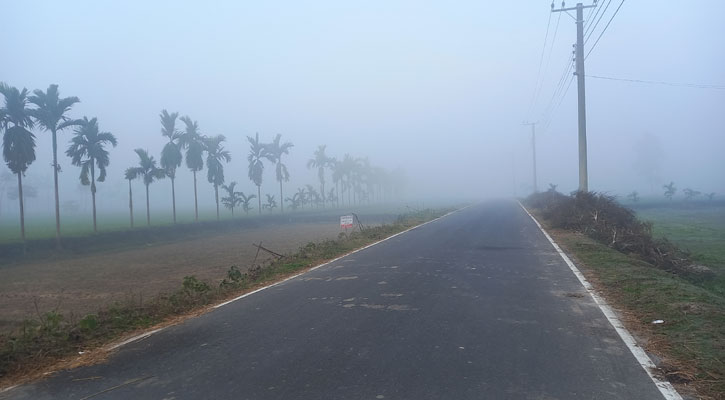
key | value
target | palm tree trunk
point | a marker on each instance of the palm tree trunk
(93, 195)
(148, 212)
(216, 198)
(130, 202)
(323, 194)
(22, 210)
(55, 183)
(173, 198)
(196, 202)
(259, 197)
(281, 201)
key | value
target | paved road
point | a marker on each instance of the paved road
(477, 305)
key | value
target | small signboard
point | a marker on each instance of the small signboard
(346, 221)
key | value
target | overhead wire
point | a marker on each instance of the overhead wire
(677, 84)
(604, 30)
(561, 100)
(541, 62)
(593, 24)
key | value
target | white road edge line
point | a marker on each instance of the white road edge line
(666, 388)
(149, 333)
(334, 260)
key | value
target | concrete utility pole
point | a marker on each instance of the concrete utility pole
(533, 147)
(579, 52)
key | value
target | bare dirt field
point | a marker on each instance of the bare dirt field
(82, 284)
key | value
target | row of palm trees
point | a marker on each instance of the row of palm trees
(87, 149)
(22, 112)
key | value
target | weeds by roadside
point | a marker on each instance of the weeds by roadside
(51, 336)
(647, 279)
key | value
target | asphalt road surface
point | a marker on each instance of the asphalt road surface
(476, 305)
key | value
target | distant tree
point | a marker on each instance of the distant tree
(320, 161)
(313, 197)
(634, 196)
(690, 194)
(274, 152)
(552, 187)
(129, 175)
(215, 155)
(337, 174)
(257, 152)
(670, 190)
(331, 196)
(87, 150)
(297, 200)
(18, 141)
(50, 113)
(232, 198)
(247, 202)
(271, 202)
(171, 154)
(710, 196)
(147, 170)
(192, 141)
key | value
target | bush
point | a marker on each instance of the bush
(600, 217)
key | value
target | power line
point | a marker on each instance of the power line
(541, 62)
(557, 89)
(561, 100)
(592, 26)
(604, 30)
(548, 62)
(689, 85)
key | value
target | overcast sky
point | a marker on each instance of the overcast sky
(438, 88)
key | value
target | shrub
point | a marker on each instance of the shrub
(600, 217)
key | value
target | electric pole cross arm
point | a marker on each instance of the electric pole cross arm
(581, 93)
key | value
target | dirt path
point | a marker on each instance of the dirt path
(83, 284)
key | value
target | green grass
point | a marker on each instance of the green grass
(78, 225)
(698, 229)
(693, 335)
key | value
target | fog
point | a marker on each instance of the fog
(438, 89)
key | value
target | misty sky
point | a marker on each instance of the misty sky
(438, 88)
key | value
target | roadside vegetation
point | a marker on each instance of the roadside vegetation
(653, 265)
(52, 336)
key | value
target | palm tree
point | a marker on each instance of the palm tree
(149, 171)
(171, 154)
(670, 190)
(331, 195)
(313, 197)
(51, 116)
(245, 200)
(320, 161)
(337, 173)
(233, 199)
(191, 140)
(18, 141)
(87, 151)
(129, 174)
(348, 168)
(257, 152)
(271, 202)
(215, 154)
(275, 150)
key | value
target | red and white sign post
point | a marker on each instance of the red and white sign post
(346, 221)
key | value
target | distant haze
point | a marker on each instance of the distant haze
(439, 89)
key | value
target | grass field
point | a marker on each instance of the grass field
(77, 225)
(698, 228)
(690, 344)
